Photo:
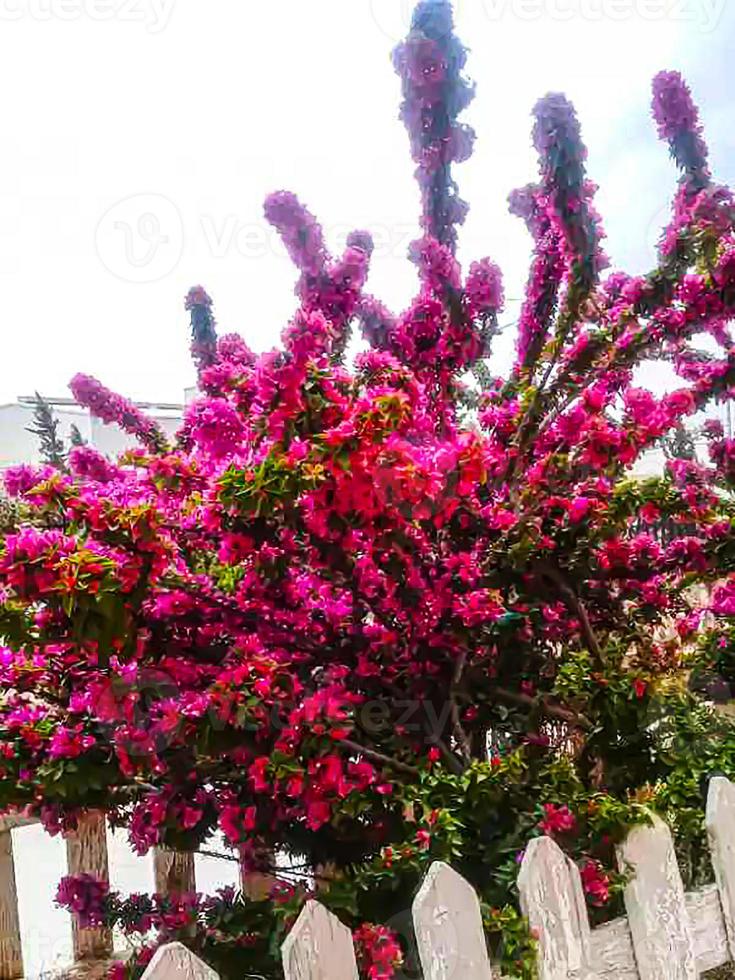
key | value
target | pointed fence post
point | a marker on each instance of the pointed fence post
(721, 832)
(319, 947)
(11, 957)
(662, 934)
(553, 901)
(86, 853)
(448, 926)
(175, 962)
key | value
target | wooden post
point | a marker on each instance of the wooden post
(11, 957)
(552, 898)
(256, 885)
(721, 832)
(448, 925)
(86, 853)
(319, 947)
(173, 872)
(175, 962)
(662, 935)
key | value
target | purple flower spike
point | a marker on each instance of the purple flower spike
(299, 229)
(678, 122)
(203, 328)
(113, 409)
(430, 62)
(568, 194)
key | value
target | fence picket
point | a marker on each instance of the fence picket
(654, 899)
(552, 898)
(86, 853)
(175, 962)
(721, 832)
(11, 957)
(448, 925)
(319, 947)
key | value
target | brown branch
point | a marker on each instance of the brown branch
(578, 608)
(449, 757)
(385, 760)
(548, 707)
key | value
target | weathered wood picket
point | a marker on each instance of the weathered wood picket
(666, 935)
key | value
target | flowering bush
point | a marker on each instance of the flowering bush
(370, 616)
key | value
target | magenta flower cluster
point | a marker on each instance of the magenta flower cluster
(114, 409)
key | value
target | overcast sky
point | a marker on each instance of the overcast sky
(141, 136)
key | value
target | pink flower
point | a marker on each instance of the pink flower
(484, 288)
(640, 687)
(215, 426)
(19, 480)
(68, 743)
(557, 820)
(85, 897)
(238, 823)
(723, 603)
(579, 510)
(378, 950)
(595, 882)
(650, 513)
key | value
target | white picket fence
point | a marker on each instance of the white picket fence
(666, 935)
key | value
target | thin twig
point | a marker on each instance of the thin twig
(219, 855)
(459, 733)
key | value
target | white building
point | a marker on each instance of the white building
(18, 445)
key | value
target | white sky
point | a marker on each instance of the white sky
(190, 111)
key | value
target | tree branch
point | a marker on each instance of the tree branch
(548, 707)
(578, 608)
(385, 760)
(449, 757)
